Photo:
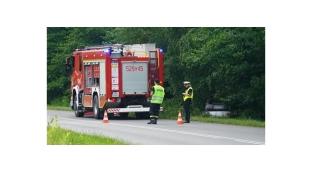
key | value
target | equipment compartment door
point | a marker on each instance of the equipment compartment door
(134, 77)
(102, 78)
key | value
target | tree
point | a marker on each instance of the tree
(223, 64)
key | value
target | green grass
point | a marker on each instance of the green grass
(60, 136)
(58, 108)
(171, 112)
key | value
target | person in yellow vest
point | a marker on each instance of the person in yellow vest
(187, 100)
(157, 93)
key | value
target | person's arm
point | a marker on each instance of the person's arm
(189, 93)
(152, 91)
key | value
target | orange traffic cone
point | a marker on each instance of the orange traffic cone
(105, 118)
(180, 121)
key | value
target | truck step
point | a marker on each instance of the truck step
(135, 106)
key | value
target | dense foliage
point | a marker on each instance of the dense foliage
(223, 64)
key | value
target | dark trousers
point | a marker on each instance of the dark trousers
(154, 110)
(187, 106)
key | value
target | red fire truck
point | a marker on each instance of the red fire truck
(116, 78)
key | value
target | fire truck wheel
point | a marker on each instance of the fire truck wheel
(77, 114)
(96, 109)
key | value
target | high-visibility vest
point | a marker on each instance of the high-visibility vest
(158, 96)
(187, 97)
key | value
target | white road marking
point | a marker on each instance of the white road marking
(176, 131)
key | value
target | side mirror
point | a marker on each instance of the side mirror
(67, 66)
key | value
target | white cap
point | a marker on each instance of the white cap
(186, 82)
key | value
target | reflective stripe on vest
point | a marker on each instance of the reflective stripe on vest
(158, 95)
(188, 97)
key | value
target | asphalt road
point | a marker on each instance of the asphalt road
(165, 132)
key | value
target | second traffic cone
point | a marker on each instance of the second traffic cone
(180, 121)
(105, 118)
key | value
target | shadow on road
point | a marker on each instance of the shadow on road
(114, 118)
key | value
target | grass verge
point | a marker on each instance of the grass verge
(60, 136)
(171, 112)
(58, 108)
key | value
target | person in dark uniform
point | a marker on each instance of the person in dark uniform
(157, 93)
(187, 100)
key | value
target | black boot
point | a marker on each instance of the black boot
(155, 121)
(151, 121)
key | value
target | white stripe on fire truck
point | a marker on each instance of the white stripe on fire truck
(87, 60)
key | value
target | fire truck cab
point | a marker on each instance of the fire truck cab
(114, 78)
